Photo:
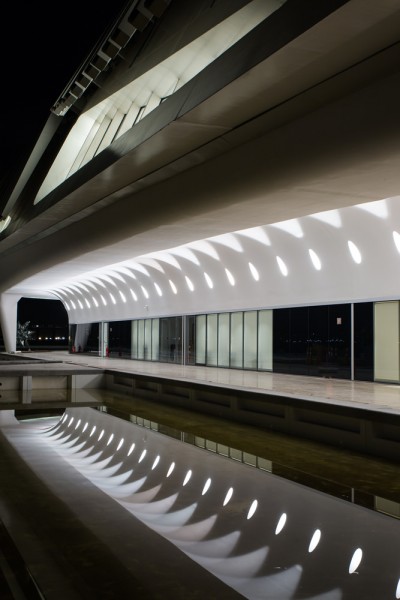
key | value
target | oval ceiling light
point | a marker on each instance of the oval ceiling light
(95, 301)
(281, 524)
(315, 259)
(101, 435)
(254, 272)
(188, 476)
(173, 286)
(73, 304)
(396, 238)
(171, 468)
(208, 280)
(354, 251)
(158, 289)
(398, 590)
(230, 277)
(145, 292)
(80, 304)
(314, 540)
(189, 283)
(93, 430)
(103, 300)
(356, 560)
(110, 439)
(87, 303)
(121, 443)
(123, 297)
(113, 300)
(282, 267)
(131, 449)
(252, 509)
(155, 463)
(142, 455)
(85, 427)
(133, 295)
(228, 496)
(206, 486)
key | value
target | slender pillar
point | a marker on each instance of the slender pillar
(8, 320)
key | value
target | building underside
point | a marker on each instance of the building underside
(210, 167)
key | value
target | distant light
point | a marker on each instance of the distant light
(78, 423)
(93, 430)
(110, 439)
(131, 449)
(85, 427)
(121, 442)
(155, 463)
(142, 455)
(171, 468)
(101, 435)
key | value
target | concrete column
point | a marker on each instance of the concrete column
(8, 320)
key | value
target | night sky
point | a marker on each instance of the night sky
(43, 44)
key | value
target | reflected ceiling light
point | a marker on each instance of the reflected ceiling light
(173, 286)
(155, 463)
(396, 238)
(206, 486)
(133, 294)
(256, 233)
(315, 259)
(101, 435)
(145, 292)
(355, 253)
(78, 423)
(93, 430)
(95, 301)
(142, 455)
(85, 427)
(110, 439)
(330, 217)
(113, 300)
(189, 283)
(188, 476)
(252, 509)
(87, 303)
(80, 304)
(356, 560)
(185, 253)
(103, 300)
(282, 267)
(281, 524)
(158, 289)
(208, 280)
(121, 443)
(230, 277)
(291, 226)
(228, 496)
(171, 468)
(123, 297)
(229, 240)
(71, 421)
(378, 208)
(254, 271)
(131, 449)
(314, 540)
(205, 247)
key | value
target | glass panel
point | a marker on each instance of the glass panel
(236, 349)
(250, 340)
(265, 340)
(318, 362)
(120, 339)
(190, 340)
(140, 353)
(281, 340)
(386, 341)
(338, 359)
(223, 340)
(171, 339)
(212, 340)
(200, 339)
(155, 339)
(134, 339)
(364, 341)
(147, 339)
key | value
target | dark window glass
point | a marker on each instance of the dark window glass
(364, 341)
(120, 339)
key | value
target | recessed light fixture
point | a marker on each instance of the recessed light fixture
(354, 251)
(187, 477)
(228, 496)
(315, 259)
(356, 560)
(230, 277)
(281, 524)
(206, 486)
(189, 283)
(252, 509)
(173, 287)
(208, 280)
(145, 292)
(282, 267)
(254, 272)
(314, 540)
(171, 468)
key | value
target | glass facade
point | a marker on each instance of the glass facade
(336, 340)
